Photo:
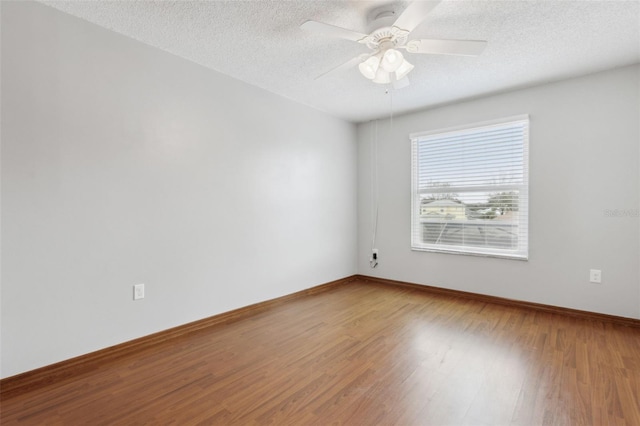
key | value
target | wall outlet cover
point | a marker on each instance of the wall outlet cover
(138, 291)
(595, 276)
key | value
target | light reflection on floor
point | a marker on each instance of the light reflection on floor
(461, 368)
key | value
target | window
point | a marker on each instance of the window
(470, 189)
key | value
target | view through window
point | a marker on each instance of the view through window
(470, 189)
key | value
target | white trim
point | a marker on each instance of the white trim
(475, 252)
(479, 125)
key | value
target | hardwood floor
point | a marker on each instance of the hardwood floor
(363, 354)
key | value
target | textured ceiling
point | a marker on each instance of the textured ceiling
(260, 42)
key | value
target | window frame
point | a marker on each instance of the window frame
(522, 251)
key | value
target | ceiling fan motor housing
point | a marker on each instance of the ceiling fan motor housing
(386, 37)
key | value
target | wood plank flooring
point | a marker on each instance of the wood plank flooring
(363, 354)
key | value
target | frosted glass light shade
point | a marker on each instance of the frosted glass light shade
(369, 67)
(404, 69)
(382, 77)
(391, 60)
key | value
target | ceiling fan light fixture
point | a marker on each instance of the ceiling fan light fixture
(404, 69)
(369, 67)
(385, 64)
(391, 60)
(382, 76)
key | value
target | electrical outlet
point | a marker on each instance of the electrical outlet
(595, 276)
(138, 291)
(375, 255)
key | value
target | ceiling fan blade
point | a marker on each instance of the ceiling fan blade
(349, 64)
(414, 14)
(447, 47)
(331, 31)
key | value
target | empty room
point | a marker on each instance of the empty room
(301, 212)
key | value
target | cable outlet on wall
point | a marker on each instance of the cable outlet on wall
(138, 291)
(595, 276)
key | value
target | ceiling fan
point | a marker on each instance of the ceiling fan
(385, 64)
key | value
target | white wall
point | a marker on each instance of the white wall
(584, 159)
(123, 164)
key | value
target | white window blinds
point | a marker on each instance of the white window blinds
(470, 189)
